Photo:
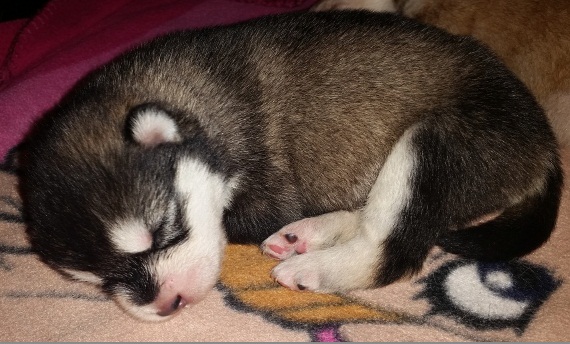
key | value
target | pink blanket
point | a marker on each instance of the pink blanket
(43, 57)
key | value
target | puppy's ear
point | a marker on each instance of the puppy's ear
(149, 125)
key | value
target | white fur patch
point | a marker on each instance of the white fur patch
(313, 233)
(152, 127)
(131, 236)
(206, 194)
(83, 276)
(191, 268)
(392, 190)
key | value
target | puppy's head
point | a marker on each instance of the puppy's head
(143, 221)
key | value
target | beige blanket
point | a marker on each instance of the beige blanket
(452, 300)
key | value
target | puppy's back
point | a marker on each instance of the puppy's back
(530, 36)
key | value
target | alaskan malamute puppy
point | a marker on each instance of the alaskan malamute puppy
(530, 36)
(351, 142)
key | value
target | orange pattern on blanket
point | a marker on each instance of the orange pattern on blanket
(246, 275)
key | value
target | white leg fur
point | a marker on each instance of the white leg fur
(354, 264)
(313, 233)
(371, 5)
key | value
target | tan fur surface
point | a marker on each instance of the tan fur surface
(531, 36)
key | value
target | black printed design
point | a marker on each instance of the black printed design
(10, 212)
(58, 295)
(489, 296)
(10, 216)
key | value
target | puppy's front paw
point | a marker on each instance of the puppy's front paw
(298, 273)
(312, 234)
(282, 246)
(340, 268)
(289, 240)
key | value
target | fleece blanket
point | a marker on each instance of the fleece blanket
(451, 300)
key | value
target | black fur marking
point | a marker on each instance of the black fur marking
(455, 182)
(515, 233)
(133, 280)
(252, 219)
(170, 234)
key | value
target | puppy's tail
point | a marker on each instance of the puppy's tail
(517, 231)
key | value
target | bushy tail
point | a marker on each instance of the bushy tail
(517, 231)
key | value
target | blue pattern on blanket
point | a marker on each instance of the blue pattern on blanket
(489, 295)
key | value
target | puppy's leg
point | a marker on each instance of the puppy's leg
(356, 263)
(371, 5)
(312, 233)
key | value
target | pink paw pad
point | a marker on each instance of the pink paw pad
(282, 246)
(300, 247)
(276, 249)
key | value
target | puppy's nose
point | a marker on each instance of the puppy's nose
(170, 308)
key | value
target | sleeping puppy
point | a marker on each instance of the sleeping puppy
(352, 142)
(530, 36)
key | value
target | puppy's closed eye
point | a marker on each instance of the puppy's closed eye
(169, 230)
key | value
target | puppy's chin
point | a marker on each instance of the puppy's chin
(146, 313)
(177, 290)
(158, 310)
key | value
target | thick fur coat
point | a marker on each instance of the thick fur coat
(530, 36)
